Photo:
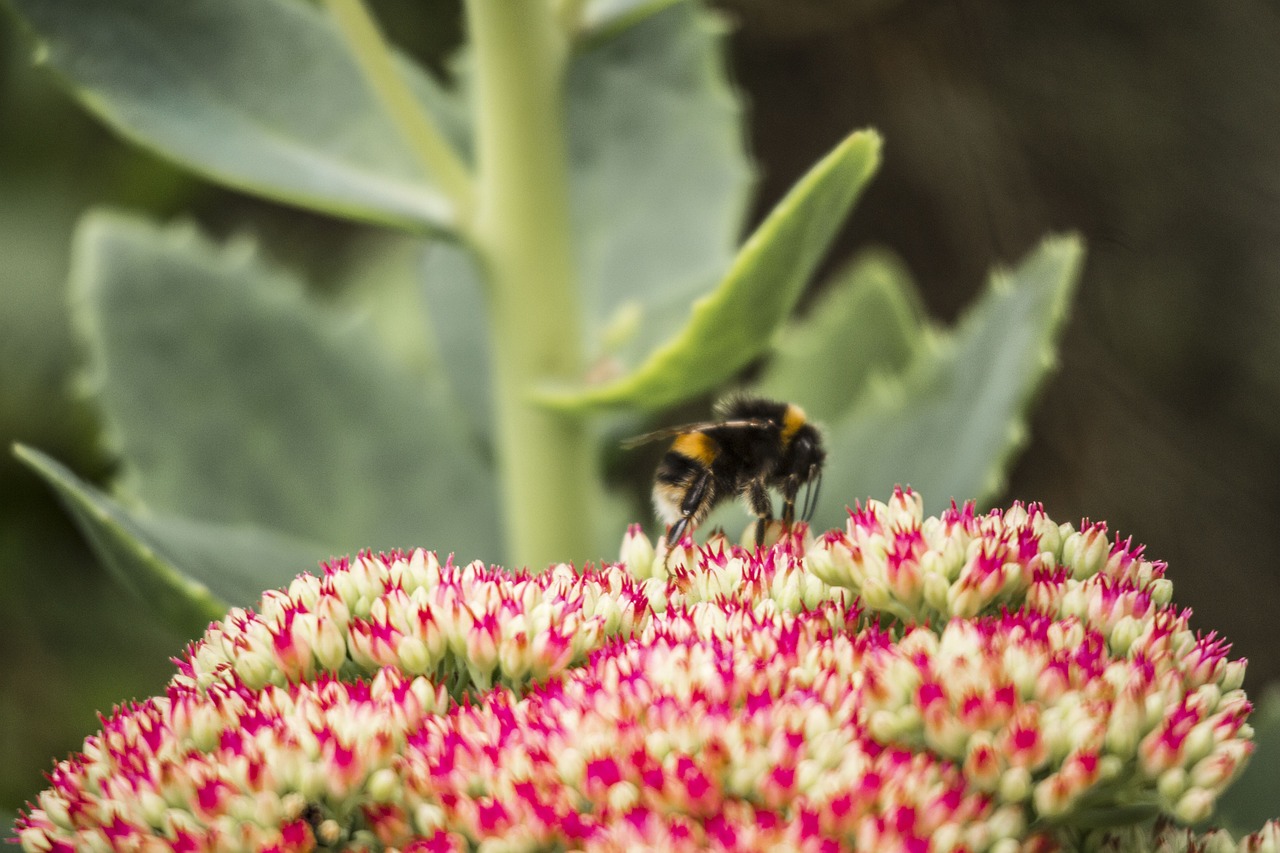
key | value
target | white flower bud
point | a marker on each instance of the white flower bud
(1172, 783)
(637, 554)
(1015, 785)
(413, 655)
(1196, 805)
(384, 786)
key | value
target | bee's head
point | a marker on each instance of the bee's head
(802, 449)
(805, 453)
(803, 460)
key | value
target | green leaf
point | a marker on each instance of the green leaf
(949, 425)
(732, 325)
(868, 322)
(659, 178)
(232, 399)
(190, 571)
(128, 550)
(454, 292)
(382, 284)
(261, 95)
(1252, 799)
(235, 561)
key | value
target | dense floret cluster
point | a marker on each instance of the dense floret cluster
(965, 682)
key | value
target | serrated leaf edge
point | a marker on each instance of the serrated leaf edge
(240, 253)
(937, 342)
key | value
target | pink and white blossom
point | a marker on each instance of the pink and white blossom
(962, 682)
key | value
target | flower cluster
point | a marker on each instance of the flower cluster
(234, 768)
(968, 682)
(1061, 673)
(465, 626)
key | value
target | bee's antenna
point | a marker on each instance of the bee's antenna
(811, 493)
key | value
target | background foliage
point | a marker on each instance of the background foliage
(1152, 130)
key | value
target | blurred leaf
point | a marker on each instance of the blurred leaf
(128, 550)
(382, 284)
(949, 425)
(1253, 799)
(233, 400)
(602, 19)
(189, 570)
(868, 322)
(454, 292)
(235, 561)
(261, 95)
(731, 326)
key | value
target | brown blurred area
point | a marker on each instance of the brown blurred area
(1151, 128)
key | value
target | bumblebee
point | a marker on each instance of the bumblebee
(753, 446)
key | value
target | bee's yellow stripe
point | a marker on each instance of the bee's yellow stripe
(696, 446)
(792, 419)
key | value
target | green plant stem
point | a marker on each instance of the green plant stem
(547, 461)
(569, 13)
(433, 151)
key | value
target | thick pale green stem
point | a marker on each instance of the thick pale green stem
(569, 14)
(522, 234)
(438, 158)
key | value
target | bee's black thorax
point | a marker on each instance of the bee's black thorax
(753, 408)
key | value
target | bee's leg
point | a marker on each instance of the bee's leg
(676, 531)
(789, 491)
(762, 506)
(692, 507)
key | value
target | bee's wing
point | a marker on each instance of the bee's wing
(672, 432)
(668, 432)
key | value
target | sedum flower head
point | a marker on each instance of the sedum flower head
(966, 682)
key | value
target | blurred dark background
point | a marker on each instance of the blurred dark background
(1151, 128)
(1154, 130)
